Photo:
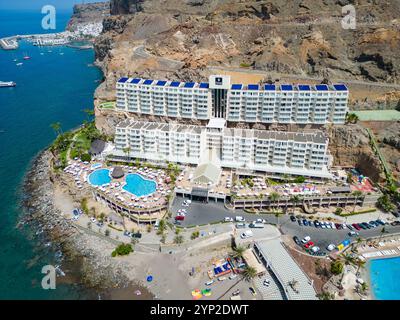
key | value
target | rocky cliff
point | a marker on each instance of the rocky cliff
(303, 38)
(88, 13)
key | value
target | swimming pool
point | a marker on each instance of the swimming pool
(139, 186)
(99, 177)
(385, 280)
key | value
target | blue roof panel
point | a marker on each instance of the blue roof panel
(122, 80)
(321, 87)
(270, 87)
(161, 83)
(204, 85)
(236, 86)
(175, 84)
(286, 87)
(148, 82)
(253, 87)
(189, 85)
(340, 87)
(304, 87)
(135, 81)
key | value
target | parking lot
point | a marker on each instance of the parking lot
(199, 213)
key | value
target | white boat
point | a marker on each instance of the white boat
(7, 84)
(19, 64)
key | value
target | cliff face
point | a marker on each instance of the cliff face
(88, 13)
(126, 6)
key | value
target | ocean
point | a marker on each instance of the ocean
(51, 87)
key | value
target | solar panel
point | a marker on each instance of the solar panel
(270, 87)
(321, 87)
(340, 87)
(175, 84)
(189, 85)
(135, 81)
(304, 87)
(122, 80)
(161, 83)
(286, 87)
(148, 82)
(204, 85)
(236, 86)
(253, 87)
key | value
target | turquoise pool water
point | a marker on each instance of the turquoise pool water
(385, 279)
(99, 177)
(139, 186)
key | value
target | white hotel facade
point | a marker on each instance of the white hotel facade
(253, 103)
(218, 103)
(272, 152)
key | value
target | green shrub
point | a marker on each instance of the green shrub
(122, 250)
(336, 267)
(195, 235)
(86, 157)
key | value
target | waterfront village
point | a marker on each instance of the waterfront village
(188, 169)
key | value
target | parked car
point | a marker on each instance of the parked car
(338, 226)
(246, 234)
(297, 240)
(317, 224)
(356, 226)
(236, 292)
(379, 221)
(306, 239)
(373, 224)
(240, 219)
(350, 227)
(300, 222)
(240, 225)
(266, 282)
(395, 223)
(180, 218)
(137, 235)
(253, 291)
(396, 214)
(323, 225)
(293, 218)
(315, 249)
(353, 233)
(309, 244)
(261, 220)
(330, 247)
(228, 219)
(305, 223)
(255, 224)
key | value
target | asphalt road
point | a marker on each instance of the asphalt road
(200, 213)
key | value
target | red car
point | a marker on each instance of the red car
(309, 244)
(180, 218)
(356, 226)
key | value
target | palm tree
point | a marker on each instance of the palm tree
(357, 194)
(359, 240)
(274, 196)
(295, 199)
(360, 264)
(383, 231)
(249, 273)
(277, 214)
(127, 151)
(56, 126)
(238, 252)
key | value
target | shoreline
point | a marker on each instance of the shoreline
(90, 270)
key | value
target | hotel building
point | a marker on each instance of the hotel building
(254, 103)
(272, 152)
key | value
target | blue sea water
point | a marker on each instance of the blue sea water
(50, 88)
(99, 177)
(139, 186)
(385, 279)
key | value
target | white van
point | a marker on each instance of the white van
(239, 219)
